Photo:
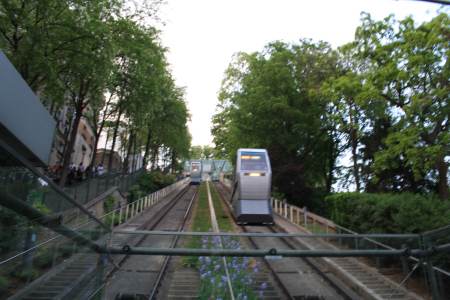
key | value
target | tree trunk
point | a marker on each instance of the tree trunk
(442, 181)
(173, 162)
(147, 148)
(154, 156)
(106, 144)
(354, 143)
(331, 165)
(126, 162)
(134, 162)
(73, 135)
(116, 129)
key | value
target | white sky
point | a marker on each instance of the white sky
(202, 36)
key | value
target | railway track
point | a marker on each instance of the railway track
(143, 274)
(358, 281)
(297, 278)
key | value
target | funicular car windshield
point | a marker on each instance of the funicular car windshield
(253, 161)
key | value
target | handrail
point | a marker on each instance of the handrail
(330, 224)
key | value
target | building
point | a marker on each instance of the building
(83, 148)
(84, 142)
(102, 157)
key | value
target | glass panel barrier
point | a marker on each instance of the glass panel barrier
(37, 259)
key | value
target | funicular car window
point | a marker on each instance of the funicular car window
(253, 161)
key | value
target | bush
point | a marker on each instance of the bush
(388, 213)
(43, 259)
(26, 275)
(135, 193)
(148, 183)
(109, 218)
(155, 180)
(108, 204)
(4, 283)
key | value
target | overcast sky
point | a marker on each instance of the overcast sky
(202, 36)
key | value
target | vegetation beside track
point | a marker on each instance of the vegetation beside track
(224, 221)
(150, 182)
(201, 221)
(211, 269)
(389, 213)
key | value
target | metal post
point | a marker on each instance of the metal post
(404, 261)
(305, 216)
(291, 218)
(431, 274)
(88, 188)
(126, 212)
(112, 220)
(120, 215)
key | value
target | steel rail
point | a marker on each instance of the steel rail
(151, 224)
(336, 285)
(261, 234)
(173, 245)
(258, 252)
(252, 241)
(216, 228)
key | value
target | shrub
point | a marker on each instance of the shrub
(108, 220)
(4, 283)
(108, 204)
(148, 183)
(44, 258)
(26, 275)
(388, 213)
(155, 180)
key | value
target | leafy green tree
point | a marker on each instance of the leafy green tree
(405, 69)
(271, 99)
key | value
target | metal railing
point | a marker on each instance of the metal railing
(437, 279)
(122, 214)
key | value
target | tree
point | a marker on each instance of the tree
(270, 100)
(406, 68)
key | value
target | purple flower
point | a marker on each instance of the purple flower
(263, 285)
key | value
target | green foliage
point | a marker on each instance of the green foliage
(43, 258)
(10, 233)
(148, 183)
(155, 180)
(4, 283)
(388, 213)
(135, 193)
(270, 99)
(202, 152)
(109, 219)
(26, 275)
(382, 99)
(108, 204)
(74, 53)
(201, 221)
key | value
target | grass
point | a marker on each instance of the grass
(223, 219)
(201, 222)
(213, 280)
